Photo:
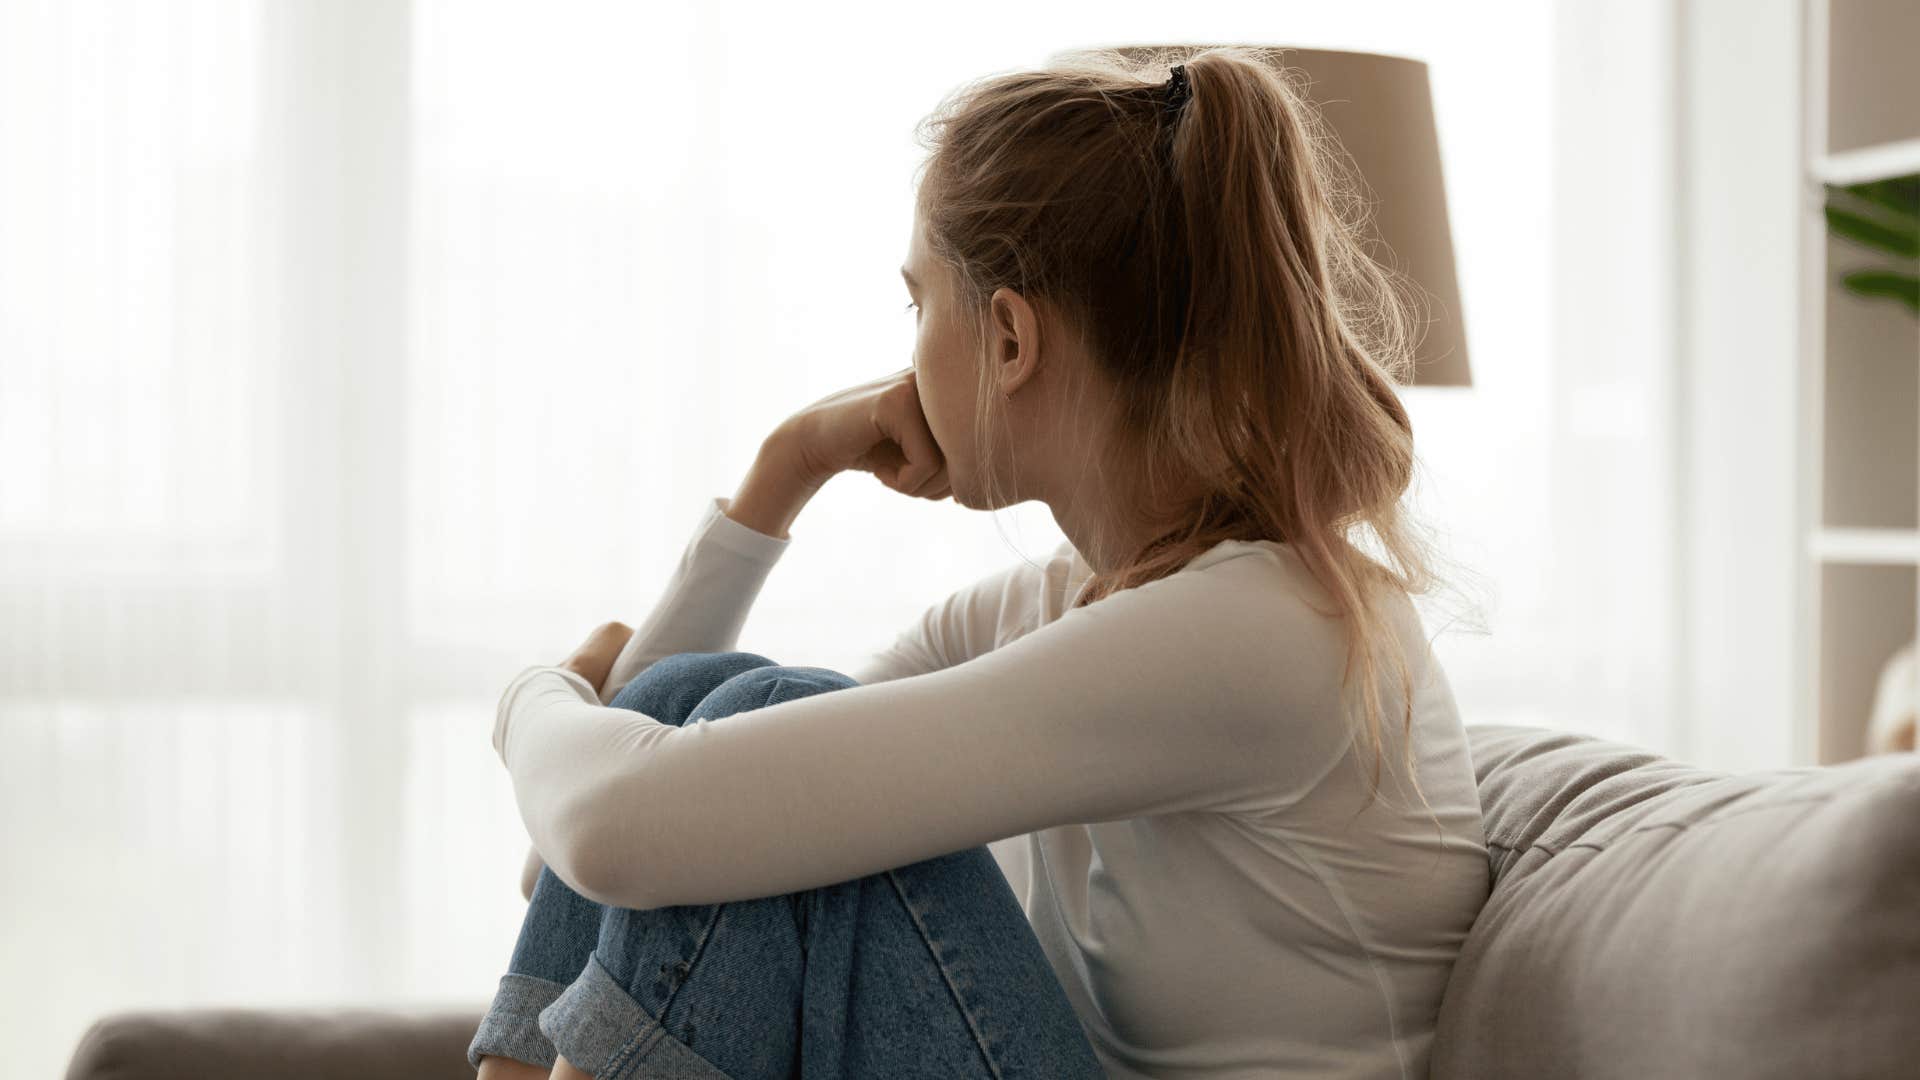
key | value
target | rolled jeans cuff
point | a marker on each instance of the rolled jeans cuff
(511, 1026)
(604, 1032)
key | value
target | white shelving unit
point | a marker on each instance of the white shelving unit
(1860, 424)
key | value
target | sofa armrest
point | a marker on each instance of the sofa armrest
(287, 1044)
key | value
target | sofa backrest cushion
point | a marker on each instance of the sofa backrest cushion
(1649, 918)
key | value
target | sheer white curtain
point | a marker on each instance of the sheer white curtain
(354, 355)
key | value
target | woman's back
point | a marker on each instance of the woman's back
(1293, 931)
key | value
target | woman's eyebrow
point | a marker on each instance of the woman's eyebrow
(911, 284)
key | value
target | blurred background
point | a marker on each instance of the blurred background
(355, 355)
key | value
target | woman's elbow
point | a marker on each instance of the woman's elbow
(586, 873)
(599, 864)
(530, 873)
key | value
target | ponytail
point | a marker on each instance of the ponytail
(1211, 255)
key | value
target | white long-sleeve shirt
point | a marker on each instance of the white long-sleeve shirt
(1166, 776)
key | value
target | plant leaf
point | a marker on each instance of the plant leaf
(1889, 283)
(1899, 195)
(1890, 237)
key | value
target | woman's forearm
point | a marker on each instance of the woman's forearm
(776, 488)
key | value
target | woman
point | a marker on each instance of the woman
(1246, 836)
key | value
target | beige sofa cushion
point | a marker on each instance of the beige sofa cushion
(1650, 918)
(281, 1044)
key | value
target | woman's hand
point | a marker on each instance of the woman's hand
(877, 427)
(594, 659)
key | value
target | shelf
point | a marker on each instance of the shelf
(1882, 162)
(1859, 587)
(1866, 547)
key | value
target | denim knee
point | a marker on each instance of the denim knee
(728, 663)
(761, 686)
(670, 687)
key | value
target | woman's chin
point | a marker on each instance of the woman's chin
(968, 495)
(974, 496)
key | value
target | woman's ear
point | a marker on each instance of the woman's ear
(1014, 327)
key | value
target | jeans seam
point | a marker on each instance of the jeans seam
(640, 1041)
(960, 1001)
(773, 691)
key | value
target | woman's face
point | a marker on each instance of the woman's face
(946, 367)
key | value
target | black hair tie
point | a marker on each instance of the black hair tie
(1176, 92)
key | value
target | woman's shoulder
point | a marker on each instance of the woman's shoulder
(1257, 605)
(1255, 594)
(1276, 576)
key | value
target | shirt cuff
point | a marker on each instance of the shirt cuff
(531, 678)
(717, 527)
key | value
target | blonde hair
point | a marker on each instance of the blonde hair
(1211, 259)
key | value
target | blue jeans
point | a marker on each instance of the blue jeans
(926, 970)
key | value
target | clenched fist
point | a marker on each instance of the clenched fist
(877, 427)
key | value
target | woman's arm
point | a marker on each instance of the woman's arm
(969, 621)
(878, 427)
(1207, 690)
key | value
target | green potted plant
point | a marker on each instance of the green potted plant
(1883, 215)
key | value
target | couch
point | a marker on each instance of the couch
(1647, 919)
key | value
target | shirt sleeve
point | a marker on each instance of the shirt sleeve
(1205, 690)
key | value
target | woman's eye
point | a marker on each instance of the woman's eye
(911, 305)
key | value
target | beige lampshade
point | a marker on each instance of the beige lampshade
(1381, 110)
